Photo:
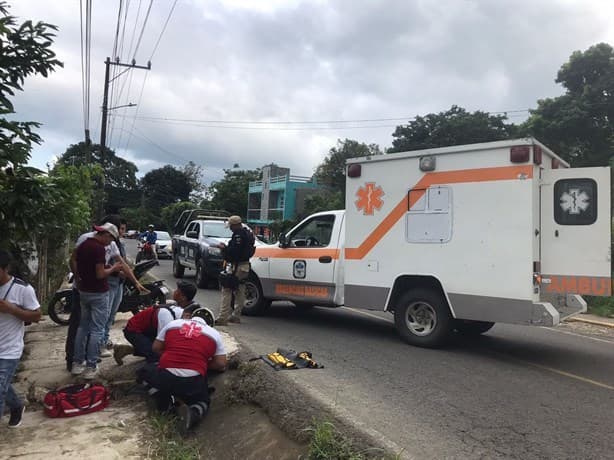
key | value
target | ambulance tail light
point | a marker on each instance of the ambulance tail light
(354, 170)
(537, 155)
(520, 153)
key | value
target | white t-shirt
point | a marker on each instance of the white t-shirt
(12, 329)
(110, 251)
(165, 317)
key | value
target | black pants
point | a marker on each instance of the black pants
(193, 391)
(73, 325)
(142, 346)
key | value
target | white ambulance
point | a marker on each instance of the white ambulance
(450, 239)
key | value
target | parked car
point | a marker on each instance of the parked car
(132, 234)
(164, 245)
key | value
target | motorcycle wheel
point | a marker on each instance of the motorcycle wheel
(59, 307)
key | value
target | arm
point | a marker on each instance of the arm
(218, 363)
(158, 346)
(102, 273)
(130, 275)
(27, 316)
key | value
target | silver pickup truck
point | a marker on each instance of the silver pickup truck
(197, 234)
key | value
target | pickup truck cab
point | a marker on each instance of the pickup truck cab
(198, 232)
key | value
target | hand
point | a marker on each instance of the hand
(221, 245)
(5, 307)
(116, 267)
(142, 289)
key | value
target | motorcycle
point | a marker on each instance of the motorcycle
(60, 305)
(146, 251)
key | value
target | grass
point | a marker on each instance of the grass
(601, 306)
(328, 444)
(167, 444)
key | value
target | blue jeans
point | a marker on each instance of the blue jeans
(116, 292)
(94, 317)
(7, 393)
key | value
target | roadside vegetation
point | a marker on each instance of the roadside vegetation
(167, 444)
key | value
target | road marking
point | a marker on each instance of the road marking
(560, 372)
(355, 310)
(596, 339)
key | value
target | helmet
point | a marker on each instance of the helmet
(205, 314)
(150, 226)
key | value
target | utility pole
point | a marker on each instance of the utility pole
(105, 99)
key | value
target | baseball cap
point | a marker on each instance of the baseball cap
(233, 220)
(187, 289)
(109, 228)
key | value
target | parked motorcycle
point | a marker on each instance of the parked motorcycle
(146, 251)
(60, 305)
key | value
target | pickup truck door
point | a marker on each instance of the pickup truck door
(190, 244)
(304, 269)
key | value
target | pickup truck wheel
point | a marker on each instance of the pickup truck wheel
(178, 269)
(201, 277)
(422, 318)
(255, 303)
(470, 328)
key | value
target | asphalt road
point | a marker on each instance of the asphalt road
(515, 392)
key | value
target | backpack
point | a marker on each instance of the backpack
(73, 400)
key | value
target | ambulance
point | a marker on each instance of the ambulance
(450, 240)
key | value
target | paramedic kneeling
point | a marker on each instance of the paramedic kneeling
(188, 349)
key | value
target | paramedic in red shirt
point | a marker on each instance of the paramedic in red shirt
(188, 349)
(143, 327)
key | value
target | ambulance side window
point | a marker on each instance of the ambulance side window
(429, 217)
(575, 201)
(315, 232)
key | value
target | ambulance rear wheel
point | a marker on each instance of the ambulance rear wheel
(472, 328)
(255, 303)
(422, 318)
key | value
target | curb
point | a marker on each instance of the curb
(590, 321)
(276, 393)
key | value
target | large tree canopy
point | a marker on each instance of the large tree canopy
(453, 127)
(230, 193)
(164, 186)
(579, 125)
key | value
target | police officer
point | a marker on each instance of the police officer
(237, 254)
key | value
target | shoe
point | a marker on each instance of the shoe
(105, 353)
(119, 351)
(77, 369)
(184, 419)
(109, 345)
(16, 415)
(234, 319)
(90, 373)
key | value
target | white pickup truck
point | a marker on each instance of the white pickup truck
(450, 239)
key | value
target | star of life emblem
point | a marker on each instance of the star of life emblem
(575, 201)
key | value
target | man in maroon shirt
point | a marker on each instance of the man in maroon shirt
(188, 348)
(94, 298)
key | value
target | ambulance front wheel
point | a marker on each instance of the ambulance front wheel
(255, 303)
(423, 319)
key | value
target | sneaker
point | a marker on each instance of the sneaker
(109, 345)
(234, 319)
(105, 353)
(77, 368)
(16, 415)
(90, 373)
(184, 419)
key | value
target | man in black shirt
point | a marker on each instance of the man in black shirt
(238, 252)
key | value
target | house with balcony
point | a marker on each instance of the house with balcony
(277, 196)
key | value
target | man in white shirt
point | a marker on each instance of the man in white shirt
(18, 305)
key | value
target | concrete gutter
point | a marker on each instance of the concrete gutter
(594, 322)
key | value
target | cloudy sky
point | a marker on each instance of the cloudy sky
(259, 81)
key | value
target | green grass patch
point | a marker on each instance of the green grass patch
(601, 306)
(167, 444)
(328, 444)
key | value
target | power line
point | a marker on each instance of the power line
(138, 43)
(138, 12)
(168, 18)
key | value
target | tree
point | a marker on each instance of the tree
(120, 183)
(454, 127)
(164, 186)
(579, 125)
(230, 193)
(195, 176)
(171, 213)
